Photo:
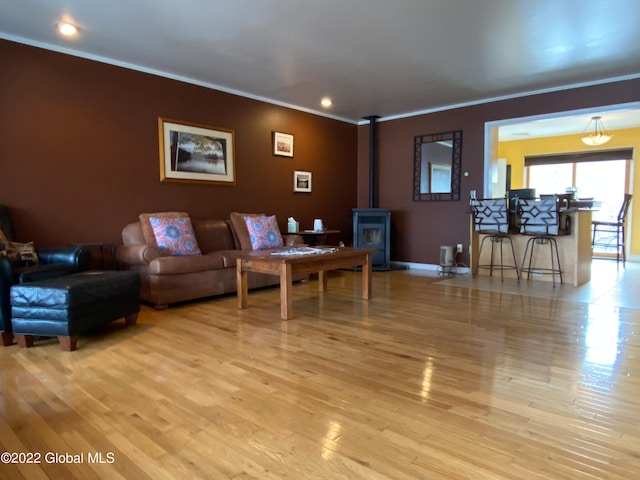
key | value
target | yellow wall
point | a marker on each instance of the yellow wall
(515, 151)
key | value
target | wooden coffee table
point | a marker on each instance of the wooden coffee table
(287, 266)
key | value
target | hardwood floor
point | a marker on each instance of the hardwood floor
(424, 381)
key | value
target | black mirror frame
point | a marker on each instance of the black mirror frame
(456, 162)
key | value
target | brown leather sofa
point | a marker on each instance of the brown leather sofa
(171, 279)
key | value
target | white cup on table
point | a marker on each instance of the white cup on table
(318, 226)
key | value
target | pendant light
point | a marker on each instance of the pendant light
(599, 135)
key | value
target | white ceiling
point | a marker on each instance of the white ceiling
(372, 57)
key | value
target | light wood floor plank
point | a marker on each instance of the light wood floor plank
(426, 380)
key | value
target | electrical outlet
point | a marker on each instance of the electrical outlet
(459, 248)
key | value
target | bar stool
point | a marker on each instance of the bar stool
(539, 218)
(491, 218)
(614, 231)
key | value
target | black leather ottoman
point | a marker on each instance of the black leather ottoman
(72, 304)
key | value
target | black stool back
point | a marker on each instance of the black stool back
(491, 218)
(540, 219)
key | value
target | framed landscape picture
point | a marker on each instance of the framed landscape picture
(301, 181)
(282, 144)
(195, 153)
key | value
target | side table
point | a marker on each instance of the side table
(313, 237)
(106, 251)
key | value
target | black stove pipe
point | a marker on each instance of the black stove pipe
(373, 142)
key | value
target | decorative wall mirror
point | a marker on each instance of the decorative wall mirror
(437, 162)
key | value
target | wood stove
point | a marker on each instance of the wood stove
(372, 229)
(372, 226)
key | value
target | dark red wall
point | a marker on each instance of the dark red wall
(419, 228)
(79, 154)
(79, 151)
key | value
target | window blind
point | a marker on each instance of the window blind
(577, 157)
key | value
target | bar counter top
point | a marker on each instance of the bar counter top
(574, 250)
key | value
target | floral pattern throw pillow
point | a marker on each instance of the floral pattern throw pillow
(264, 232)
(175, 236)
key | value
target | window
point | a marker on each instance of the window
(605, 182)
(601, 175)
(552, 178)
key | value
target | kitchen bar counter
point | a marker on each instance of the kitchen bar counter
(574, 249)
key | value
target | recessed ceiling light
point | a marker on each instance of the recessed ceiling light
(326, 102)
(67, 29)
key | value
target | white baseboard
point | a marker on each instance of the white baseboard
(431, 267)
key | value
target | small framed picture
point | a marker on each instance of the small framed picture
(282, 144)
(301, 181)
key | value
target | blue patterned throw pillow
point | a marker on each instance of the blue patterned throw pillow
(264, 232)
(175, 236)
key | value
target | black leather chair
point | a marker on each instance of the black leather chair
(52, 263)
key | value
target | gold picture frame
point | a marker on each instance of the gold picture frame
(196, 153)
